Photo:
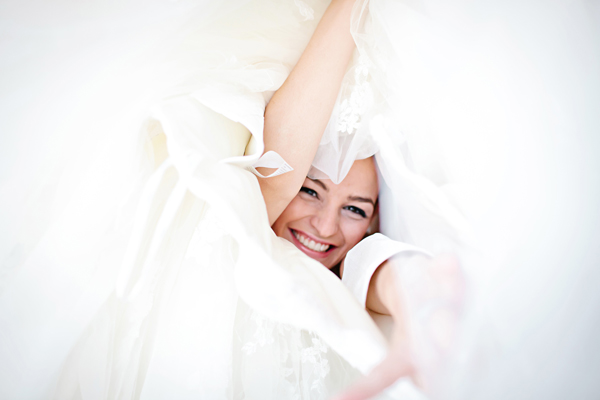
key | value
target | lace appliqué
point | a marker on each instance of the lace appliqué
(353, 106)
(305, 10)
(301, 355)
(313, 355)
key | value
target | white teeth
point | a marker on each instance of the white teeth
(311, 244)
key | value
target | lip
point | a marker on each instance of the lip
(306, 250)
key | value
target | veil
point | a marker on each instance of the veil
(475, 112)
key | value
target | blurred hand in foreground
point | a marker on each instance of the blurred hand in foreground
(424, 297)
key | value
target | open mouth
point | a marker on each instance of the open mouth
(316, 248)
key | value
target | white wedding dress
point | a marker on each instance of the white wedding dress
(138, 262)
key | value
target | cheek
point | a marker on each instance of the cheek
(295, 211)
(354, 231)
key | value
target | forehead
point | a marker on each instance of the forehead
(360, 181)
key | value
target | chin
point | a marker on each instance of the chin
(331, 262)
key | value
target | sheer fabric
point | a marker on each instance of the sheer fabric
(137, 257)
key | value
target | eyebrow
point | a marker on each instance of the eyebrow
(353, 198)
(361, 199)
(318, 182)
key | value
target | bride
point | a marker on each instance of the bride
(179, 177)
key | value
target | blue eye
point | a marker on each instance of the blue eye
(356, 210)
(309, 191)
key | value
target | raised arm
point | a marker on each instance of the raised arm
(298, 112)
(438, 289)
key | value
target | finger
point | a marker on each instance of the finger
(393, 367)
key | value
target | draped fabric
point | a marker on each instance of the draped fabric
(137, 260)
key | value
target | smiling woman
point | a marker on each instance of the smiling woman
(326, 220)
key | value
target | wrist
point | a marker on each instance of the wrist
(391, 286)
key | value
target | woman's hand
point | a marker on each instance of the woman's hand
(406, 287)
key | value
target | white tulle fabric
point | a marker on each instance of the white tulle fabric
(128, 276)
(368, 119)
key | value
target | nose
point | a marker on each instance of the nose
(326, 222)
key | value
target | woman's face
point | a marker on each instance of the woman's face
(326, 220)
